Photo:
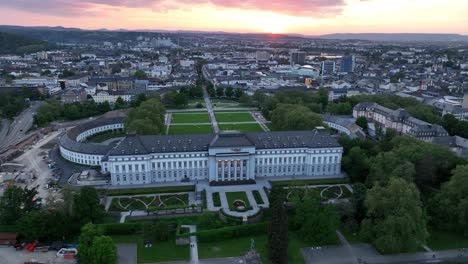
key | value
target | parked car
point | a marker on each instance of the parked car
(67, 252)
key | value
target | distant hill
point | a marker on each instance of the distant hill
(18, 44)
(400, 37)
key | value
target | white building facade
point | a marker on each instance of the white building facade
(226, 157)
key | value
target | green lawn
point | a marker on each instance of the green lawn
(238, 246)
(258, 197)
(190, 118)
(233, 117)
(216, 199)
(442, 240)
(190, 129)
(161, 251)
(270, 126)
(103, 137)
(241, 127)
(232, 196)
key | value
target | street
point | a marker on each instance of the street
(11, 132)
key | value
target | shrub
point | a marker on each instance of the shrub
(121, 229)
(216, 199)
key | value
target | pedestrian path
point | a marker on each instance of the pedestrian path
(193, 244)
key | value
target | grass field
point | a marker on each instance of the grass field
(238, 246)
(190, 129)
(241, 127)
(442, 240)
(233, 117)
(232, 196)
(190, 118)
(161, 250)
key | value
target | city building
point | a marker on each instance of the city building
(70, 96)
(328, 67)
(297, 57)
(225, 157)
(348, 63)
(262, 56)
(400, 120)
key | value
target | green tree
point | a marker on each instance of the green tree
(119, 103)
(31, 225)
(140, 74)
(259, 97)
(138, 99)
(17, 202)
(103, 251)
(278, 232)
(449, 207)
(208, 220)
(86, 207)
(358, 198)
(316, 223)
(229, 91)
(395, 219)
(219, 91)
(363, 123)
(356, 163)
(294, 117)
(146, 119)
(180, 99)
(88, 233)
(238, 93)
(210, 89)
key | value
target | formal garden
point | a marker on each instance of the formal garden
(149, 203)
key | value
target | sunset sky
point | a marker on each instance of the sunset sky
(312, 17)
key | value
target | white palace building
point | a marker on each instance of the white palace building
(220, 158)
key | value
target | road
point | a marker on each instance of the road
(12, 133)
(209, 107)
(193, 244)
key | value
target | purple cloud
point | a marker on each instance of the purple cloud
(81, 7)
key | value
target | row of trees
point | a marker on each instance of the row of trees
(54, 110)
(293, 110)
(181, 98)
(57, 220)
(12, 103)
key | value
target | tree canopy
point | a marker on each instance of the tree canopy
(294, 117)
(147, 119)
(395, 221)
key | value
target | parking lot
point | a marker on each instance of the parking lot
(8, 255)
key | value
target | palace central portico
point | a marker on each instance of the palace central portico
(231, 158)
